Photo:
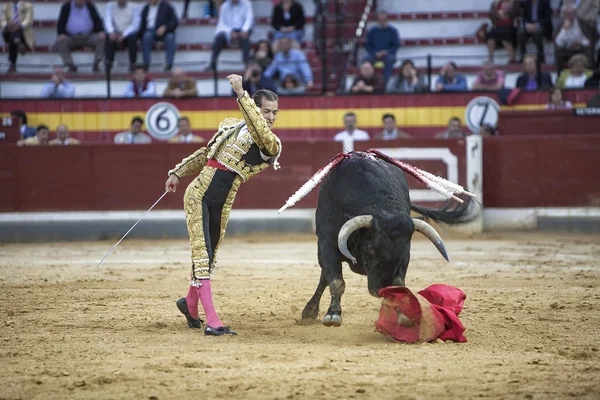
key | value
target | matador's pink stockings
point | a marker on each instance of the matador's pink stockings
(204, 292)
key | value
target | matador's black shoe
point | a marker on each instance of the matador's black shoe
(222, 330)
(192, 322)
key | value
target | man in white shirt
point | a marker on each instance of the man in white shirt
(185, 134)
(575, 36)
(236, 19)
(390, 129)
(58, 87)
(351, 132)
(122, 23)
(134, 135)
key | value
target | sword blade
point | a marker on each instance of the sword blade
(130, 229)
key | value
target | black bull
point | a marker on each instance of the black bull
(363, 218)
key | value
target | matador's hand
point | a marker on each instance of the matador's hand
(236, 84)
(171, 183)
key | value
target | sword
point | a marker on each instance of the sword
(130, 229)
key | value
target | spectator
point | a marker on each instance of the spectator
(502, 13)
(576, 75)
(140, 85)
(20, 119)
(487, 130)
(407, 80)
(58, 87)
(236, 20)
(16, 23)
(367, 80)
(593, 81)
(574, 36)
(209, 11)
(254, 79)
(588, 12)
(390, 129)
(40, 138)
(180, 85)
(290, 86)
(530, 80)
(454, 131)
(293, 62)
(536, 23)
(158, 23)
(449, 80)
(79, 25)
(122, 23)
(556, 100)
(134, 135)
(263, 54)
(62, 137)
(489, 78)
(288, 21)
(351, 130)
(382, 44)
(185, 134)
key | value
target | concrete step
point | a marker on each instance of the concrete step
(403, 6)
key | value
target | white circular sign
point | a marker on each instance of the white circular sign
(161, 120)
(481, 110)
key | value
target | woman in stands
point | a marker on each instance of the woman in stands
(407, 80)
(503, 14)
(576, 75)
(556, 100)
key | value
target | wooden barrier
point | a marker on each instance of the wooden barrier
(545, 171)
(551, 122)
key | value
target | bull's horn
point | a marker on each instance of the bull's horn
(360, 221)
(432, 235)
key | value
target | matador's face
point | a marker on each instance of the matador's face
(269, 110)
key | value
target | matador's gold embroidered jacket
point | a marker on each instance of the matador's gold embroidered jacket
(245, 146)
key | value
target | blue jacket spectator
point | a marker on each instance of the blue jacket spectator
(158, 23)
(382, 44)
(290, 62)
(450, 81)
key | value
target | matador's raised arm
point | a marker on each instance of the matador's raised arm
(257, 126)
(191, 165)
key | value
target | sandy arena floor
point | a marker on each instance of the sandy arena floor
(70, 330)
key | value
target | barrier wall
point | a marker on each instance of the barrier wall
(305, 117)
(545, 171)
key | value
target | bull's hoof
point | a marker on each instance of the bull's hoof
(311, 311)
(332, 320)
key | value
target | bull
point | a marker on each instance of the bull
(363, 218)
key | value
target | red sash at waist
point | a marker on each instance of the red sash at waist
(215, 164)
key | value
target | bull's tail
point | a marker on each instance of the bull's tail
(452, 212)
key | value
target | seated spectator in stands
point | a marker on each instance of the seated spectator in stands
(288, 21)
(593, 81)
(351, 130)
(487, 130)
(209, 11)
(79, 24)
(503, 14)
(234, 27)
(185, 134)
(140, 85)
(122, 24)
(407, 80)
(180, 85)
(530, 80)
(536, 23)
(62, 137)
(454, 131)
(58, 87)
(19, 118)
(587, 13)
(290, 86)
(390, 129)
(40, 139)
(263, 54)
(382, 44)
(489, 78)
(556, 100)
(290, 61)
(368, 81)
(574, 36)
(16, 23)
(449, 80)
(158, 24)
(134, 135)
(255, 80)
(576, 75)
